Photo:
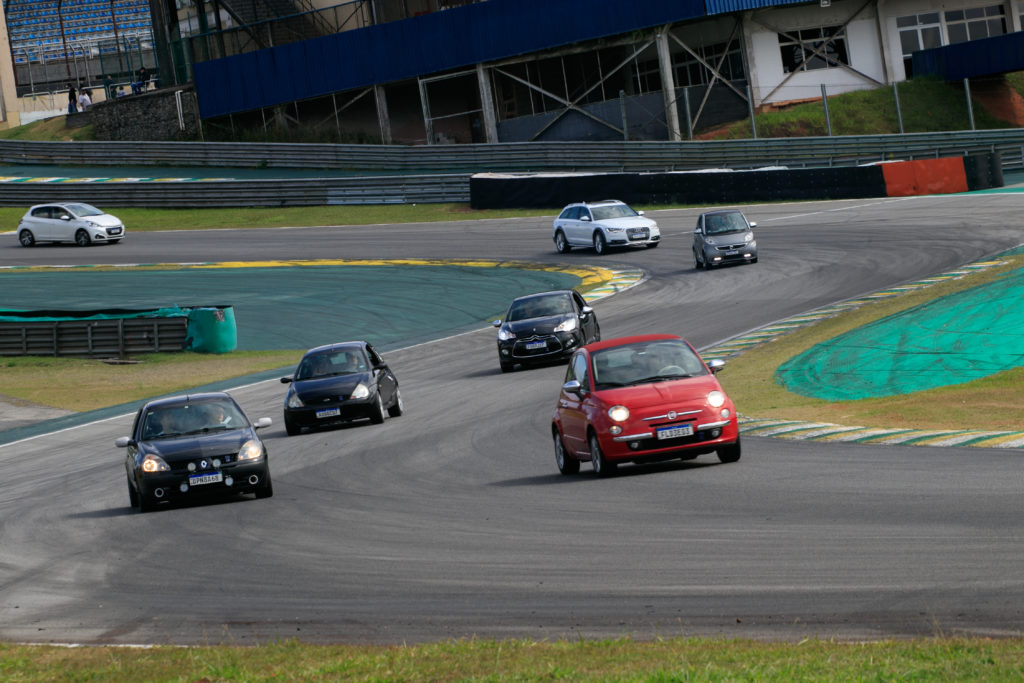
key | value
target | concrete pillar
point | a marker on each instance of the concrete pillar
(668, 85)
(383, 117)
(487, 104)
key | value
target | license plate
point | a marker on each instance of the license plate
(731, 252)
(530, 346)
(115, 231)
(675, 432)
(197, 479)
(328, 412)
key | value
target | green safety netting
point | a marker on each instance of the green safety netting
(952, 340)
(11, 315)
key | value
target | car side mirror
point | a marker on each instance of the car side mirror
(639, 213)
(585, 219)
(715, 364)
(495, 323)
(573, 386)
(753, 224)
(586, 310)
(286, 380)
(122, 441)
(698, 231)
(65, 217)
(262, 422)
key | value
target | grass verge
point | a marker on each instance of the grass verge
(991, 403)
(940, 659)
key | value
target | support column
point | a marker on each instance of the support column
(668, 85)
(383, 117)
(428, 125)
(483, 79)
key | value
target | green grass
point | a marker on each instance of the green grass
(939, 659)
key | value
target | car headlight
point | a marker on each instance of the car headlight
(504, 334)
(360, 391)
(618, 413)
(615, 229)
(154, 463)
(294, 401)
(251, 450)
(567, 325)
(749, 237)
(716, 399)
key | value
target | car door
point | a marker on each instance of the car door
(585, 228)
(570, 406)
(588, 320)
(40, 223)
(698, 238)
(62, 224)
(571, 225)
(386, 381)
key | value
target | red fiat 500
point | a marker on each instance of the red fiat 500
(641, 399)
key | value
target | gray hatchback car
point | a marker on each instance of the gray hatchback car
(723, 236)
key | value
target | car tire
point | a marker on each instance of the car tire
(730, 453)
(82, 238)
(696, 261)
(653, 245)
(377, 411)
(397, 408)
(26, 238)
(265, 489)
(114, 242)
(133, 496)
(707, 264)
(566, 464)
(600, 246)
(753, 260)
(602, 467)
(561, 244)
(291, 428)
(506, 366)
(143, 503)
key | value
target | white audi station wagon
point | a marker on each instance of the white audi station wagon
(604, 224)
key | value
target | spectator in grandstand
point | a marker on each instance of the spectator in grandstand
(72, 100)
(140, 85)
(84, 101)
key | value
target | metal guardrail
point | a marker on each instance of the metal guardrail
(105, 338)
(441, 173)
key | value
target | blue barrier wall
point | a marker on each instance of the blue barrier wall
(431, 43)
(983, 57)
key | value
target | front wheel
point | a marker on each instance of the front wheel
(696, 260)
(397, 408)
(377, 411)
(266, 489)
(561, 244)
(602, 466)
(290, 427)
(506, 366)
(82, 238)
(600, 245)
(133, 496)
(653, 245)
(730, 453)
(26, 238)
(566, 464)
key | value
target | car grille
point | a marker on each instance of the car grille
(638, 233)
(730, 247)
(551, 345)
(182, 466)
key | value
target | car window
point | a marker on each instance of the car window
(722, 223)
(375, 358)
(645, 362)
(578, 301)
(602, 213)
(328, 363)
(539, 307)
(43, 212)
(84, 210)
(569, 212)
(577, 370)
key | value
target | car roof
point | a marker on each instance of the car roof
(623, 341)
(337, 346)
(717, 211)
(187, 398)
(598, 202)
(538, 295)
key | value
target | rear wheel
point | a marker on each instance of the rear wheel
(82, 238)
(730, 453)
(266, 489)
(566, 464)
(602, 467)
(561, 244)
(599, 243)
(398, 407)
(377, 411)
(26, 238)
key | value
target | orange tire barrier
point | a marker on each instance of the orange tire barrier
(928, 176)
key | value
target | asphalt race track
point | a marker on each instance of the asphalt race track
(452, 520)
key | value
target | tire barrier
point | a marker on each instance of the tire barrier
(901, 178)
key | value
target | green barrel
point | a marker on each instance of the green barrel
(212, 330)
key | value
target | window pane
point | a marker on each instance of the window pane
(958, 15)
(996, 27)
(930, 18)
(931, 37)
(957, 33)
(903, 22)
(978, 29)
(909, 42)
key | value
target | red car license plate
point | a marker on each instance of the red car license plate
(675, 432)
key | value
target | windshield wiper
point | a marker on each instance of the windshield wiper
(659, 378)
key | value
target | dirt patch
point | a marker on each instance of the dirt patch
(17, 412)
(999, 99)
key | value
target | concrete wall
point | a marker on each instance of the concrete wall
(152, 115)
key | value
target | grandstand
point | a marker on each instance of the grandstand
(53, 41)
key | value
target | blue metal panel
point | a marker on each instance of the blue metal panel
(431, 43)
(983, 57)
(727, 6)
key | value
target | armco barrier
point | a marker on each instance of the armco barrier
(493, 191)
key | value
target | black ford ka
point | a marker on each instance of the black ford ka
(338, 383)
(188, 446)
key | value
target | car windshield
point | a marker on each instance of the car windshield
(168, 422)
(330, 363)
(660, 360)
(539, 307)
(602, 213)
(84, 210)
(720, 223)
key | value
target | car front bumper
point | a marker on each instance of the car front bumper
(641, 443)
(332, 413)
(739, 253)
(235, 478)
(539, 348)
